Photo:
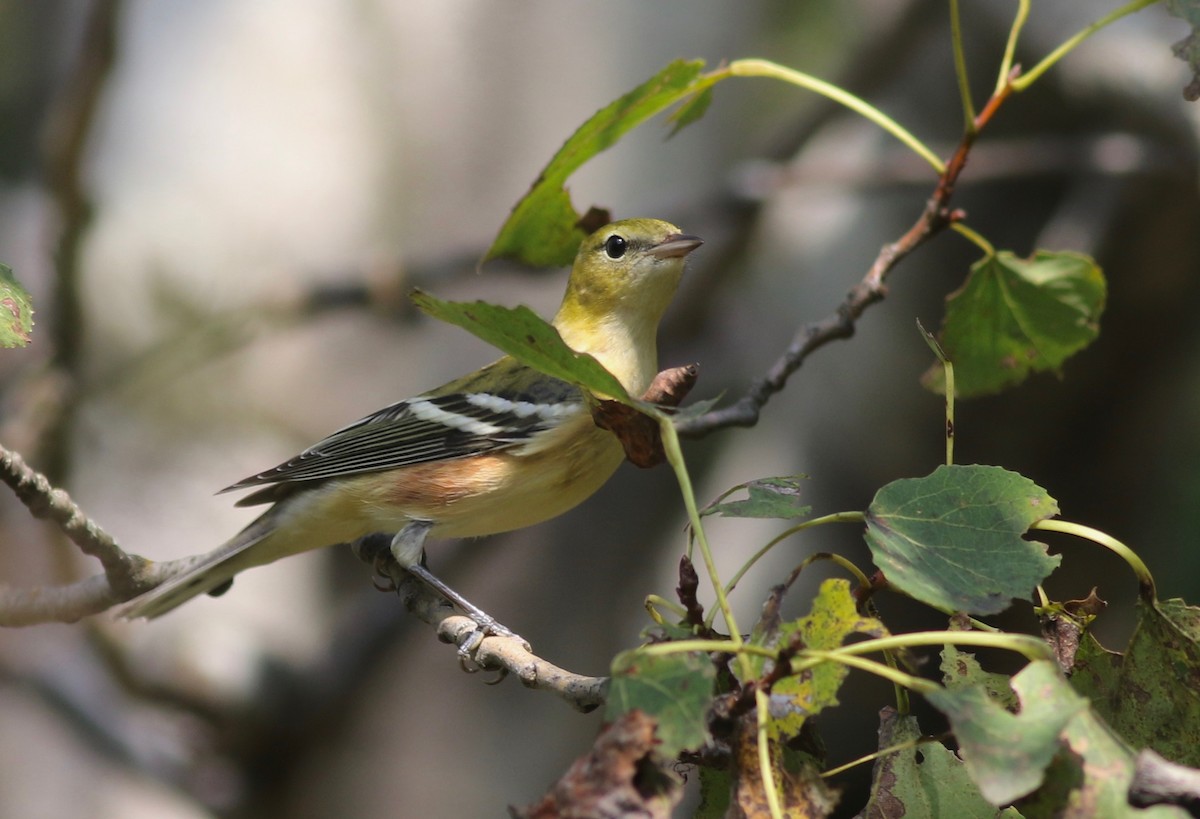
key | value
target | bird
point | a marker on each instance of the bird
(499, 449)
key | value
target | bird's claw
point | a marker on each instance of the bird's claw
(485, 627)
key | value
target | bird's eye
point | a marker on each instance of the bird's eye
(615, 246)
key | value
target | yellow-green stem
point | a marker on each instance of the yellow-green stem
(708, 646)
(909, 681)
(960, 69)
(966, 232)
(836, 517)
(1026, 80)
(1145, 579)
(762, 709)
(766, 68)
(1029, 647)
(653, 601)
(1011, 47)
(862, 760)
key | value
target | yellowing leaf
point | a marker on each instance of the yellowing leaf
(833, 618)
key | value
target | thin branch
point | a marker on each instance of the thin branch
(935, 217)
(507, 655)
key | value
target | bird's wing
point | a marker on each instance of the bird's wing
(454, 421)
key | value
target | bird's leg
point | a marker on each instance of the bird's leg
(408, 548)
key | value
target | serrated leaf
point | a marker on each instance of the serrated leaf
(675, 689)
(765, 498)
(1151, 695)
(16, 311)
(542, 229)
(954, 540)
(1007, 754)
(834, 617)
(524, 335)
(1016, 316)
(927, 781)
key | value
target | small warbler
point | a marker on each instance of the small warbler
(499, 449)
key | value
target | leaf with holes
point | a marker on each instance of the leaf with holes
(765, 498)
(924, 781)
(1151, 694)
(834, 617)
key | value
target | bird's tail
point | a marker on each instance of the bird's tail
(209, 572)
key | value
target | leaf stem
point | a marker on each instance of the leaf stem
(762, 708)
(1026, 80)
(909, 681)
(882, 752)
(960, 69)
(1029, 647)
(978, 239)
(1145, 579)
(670, 439)
(836, 517)
(948, 376)
(766, 68)
(1011, 47)
(710, 646)
(653, 601)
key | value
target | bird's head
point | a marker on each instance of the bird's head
(629, 270)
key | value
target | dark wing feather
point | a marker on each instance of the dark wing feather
(415, 431)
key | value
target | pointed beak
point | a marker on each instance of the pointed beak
(676, 245)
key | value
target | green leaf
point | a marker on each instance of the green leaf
(766, 498)
(675, 689)
(525, 336)
(690, 111)
(833, 618)
(1151, 695)
(16, 311)
(927, 781)
(543, 229)
(1016, 316)
(1007, 754)
(953, 539)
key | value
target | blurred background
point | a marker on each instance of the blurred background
(219, 207)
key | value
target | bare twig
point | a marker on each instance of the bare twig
(935, 217)
(508, 655)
